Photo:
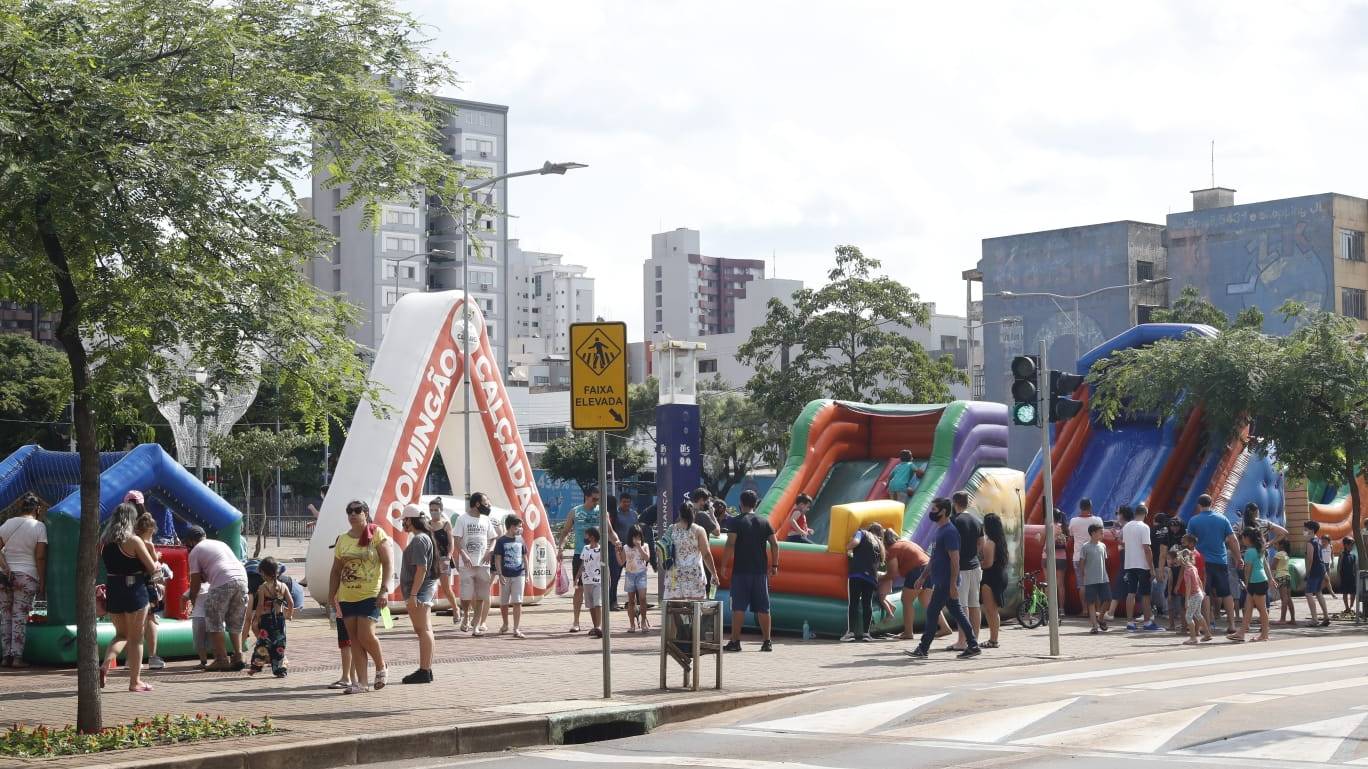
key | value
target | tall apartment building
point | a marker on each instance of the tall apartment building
(419, 246)
(30, 320)
(689, 295)
(546, 295)
(1310, 249)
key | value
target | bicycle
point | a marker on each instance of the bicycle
(1034, 609)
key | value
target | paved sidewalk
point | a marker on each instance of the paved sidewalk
(497, 676)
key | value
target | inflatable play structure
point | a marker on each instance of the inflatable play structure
(419, 371)
(1165, 466)
(1332, 507)
(842, 454)
(172, 493)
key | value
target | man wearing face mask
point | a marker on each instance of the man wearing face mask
(475, 535)
(944, 573)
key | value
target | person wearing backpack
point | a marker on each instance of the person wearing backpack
(864, 559)
(1316, 573)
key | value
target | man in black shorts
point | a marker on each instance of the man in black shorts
(747, 537)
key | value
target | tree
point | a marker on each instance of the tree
(257, 452)
(33, 393)
(844, 340)
(642, 400)
(574, 457)
(151, 150)
(733, 436)
(1303, 396)
(1192, 307)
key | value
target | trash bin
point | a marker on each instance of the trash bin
(689, 631)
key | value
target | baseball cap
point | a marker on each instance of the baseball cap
(134, 496)
(414, 511)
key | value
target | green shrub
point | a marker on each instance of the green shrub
(42, 742)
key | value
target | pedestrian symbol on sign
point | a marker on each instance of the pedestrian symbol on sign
(598, 352)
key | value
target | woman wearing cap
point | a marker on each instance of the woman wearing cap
(361, 569)
(23, 566)
(418, 584)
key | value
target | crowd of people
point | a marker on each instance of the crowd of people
(1194, 574)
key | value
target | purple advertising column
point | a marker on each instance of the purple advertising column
(678, 458)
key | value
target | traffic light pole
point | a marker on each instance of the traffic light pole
(1051, 572)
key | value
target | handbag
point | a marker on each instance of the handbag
(562, 579)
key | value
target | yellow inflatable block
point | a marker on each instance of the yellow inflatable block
(848, 518)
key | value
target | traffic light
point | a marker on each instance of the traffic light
(1062, 405)
(1026, 390)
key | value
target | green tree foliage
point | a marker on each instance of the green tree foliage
(1192, 307)
(844, 340)
(733, 436)
(574, 457)
(33, 394)
(642, 400)
(254, 454)
(151, 151)
(1305, 396)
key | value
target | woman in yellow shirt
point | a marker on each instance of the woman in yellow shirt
(361, 569)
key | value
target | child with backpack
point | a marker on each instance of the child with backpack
(274, 605)
(635, 556)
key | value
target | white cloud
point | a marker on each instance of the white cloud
(911, 130)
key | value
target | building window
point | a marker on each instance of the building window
(405, 271)
(545, 434)
(404, 243)
(337, 253)
(949, 342)
(400, 216)
(708, 366)
(337, 197)
(337, 225)
(480, 146)
(1144, 270)
(658, 300)
(659, 274)
(1354, 303)
(660, 317)
(337, 280)
(1144, 313)
(1351, 245)
(660, 286)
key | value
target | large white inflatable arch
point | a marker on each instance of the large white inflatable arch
(419, 372)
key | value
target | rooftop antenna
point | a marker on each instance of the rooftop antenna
(774, 264)
(1213, 163)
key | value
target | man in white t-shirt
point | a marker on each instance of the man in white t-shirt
(475, 534)
(1138, 562)
(1078, 534)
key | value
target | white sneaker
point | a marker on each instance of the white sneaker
(156, 663)
(465, 628)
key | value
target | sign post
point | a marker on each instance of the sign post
(598, 401)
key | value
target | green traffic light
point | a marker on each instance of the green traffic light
(1024, 414)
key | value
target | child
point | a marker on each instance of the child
(1096, 586)
(1190, 587)
(203, 641)
(1190, 544)
(1287, 615)
(798, 526)
(146, 529)
(1177, 618)
(1348, 573)
(1256, 579)
(511, 567)
(273, 606)
(591, 576)
(635, 556)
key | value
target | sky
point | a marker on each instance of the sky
(913, 130)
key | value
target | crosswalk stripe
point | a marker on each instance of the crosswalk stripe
(1317, 688)
(1317, 741)
(854, 720)
(1251, 672)
(989, 726)
(1144, 734)
(1184, 665)
(585, 757)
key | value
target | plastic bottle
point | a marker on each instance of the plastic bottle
(807, 631)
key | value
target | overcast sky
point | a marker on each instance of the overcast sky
(913, 130)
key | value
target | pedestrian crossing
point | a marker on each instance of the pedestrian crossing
(1168, 711)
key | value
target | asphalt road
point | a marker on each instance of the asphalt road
(1294, 703)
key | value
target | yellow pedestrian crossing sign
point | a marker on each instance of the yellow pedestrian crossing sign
(598, 376)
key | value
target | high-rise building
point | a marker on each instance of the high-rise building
(30, 320)
(689, 295)
(546, 295)
(418, 245)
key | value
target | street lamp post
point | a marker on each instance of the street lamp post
(547, 168)
(399, 259)
(1076, 298)
(201, 378)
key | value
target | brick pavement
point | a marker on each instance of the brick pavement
(491, 677)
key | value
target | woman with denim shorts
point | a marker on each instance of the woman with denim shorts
(361, 569)
(418, 583)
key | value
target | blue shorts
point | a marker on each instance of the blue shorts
(1097, 592)
(635, 583)
(1315, 580)
(366, 609)
(750, 592)
(1217, 580)
(425, 593)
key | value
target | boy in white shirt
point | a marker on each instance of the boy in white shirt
(591, 576)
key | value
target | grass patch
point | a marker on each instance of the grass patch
(43, 742)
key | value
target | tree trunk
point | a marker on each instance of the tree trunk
(1356, 511)
(261, 528)
(89, 718)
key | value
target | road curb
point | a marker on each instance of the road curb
(489, 736)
